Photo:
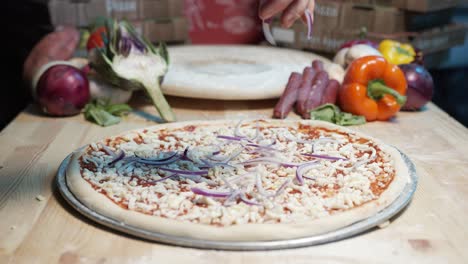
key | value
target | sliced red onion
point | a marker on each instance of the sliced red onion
(270, 160)
(226, 159)
(257, 131)
(262, 147)
(292, 138)
(157, 163)
(322, 156)
(232, 198)
(185, 155)
(273, 142)
(226, 182)
(235, 179)
(259, 185)
(164, 178)
(234, 155)
(308, 16)
(218, 157)
(124, 167)
(198, 178)
(185, 172)
(244, 199)
(171, 155)
(282, 187)
(108, 150)
(237, 132)
(235, 138)
(221, 158)
(215, 164)
(264, 152)
(117, 157)
(210, 193)
(267, 32)
(301, 169)
(207, 156)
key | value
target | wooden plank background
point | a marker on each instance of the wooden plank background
(433, 229)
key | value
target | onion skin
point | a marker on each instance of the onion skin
(420, 86)
(62, 90)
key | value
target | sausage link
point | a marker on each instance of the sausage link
(308, 76)
(289, 96)
(317, 65)
(315, 96)
(331, 92)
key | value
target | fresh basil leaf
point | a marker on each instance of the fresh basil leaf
(105, 114)
(327, 112)
(118, 109)
(103, 118)
(332, 113)
(348, 119)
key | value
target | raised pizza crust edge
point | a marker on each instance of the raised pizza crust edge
(96, 201)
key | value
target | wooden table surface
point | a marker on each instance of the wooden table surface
(433, 229)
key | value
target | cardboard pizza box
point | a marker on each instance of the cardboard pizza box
(418, 5)
(429, 41)
(374, 18)
(425, 5)
(170, 31)
(327, 13)
(356, 14)
(352, 15)
(81, 13)
(76, 13)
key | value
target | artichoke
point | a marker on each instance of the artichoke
(130, 62)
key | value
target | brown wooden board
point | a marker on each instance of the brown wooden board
(44, 229)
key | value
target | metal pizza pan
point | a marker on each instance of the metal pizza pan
(352, 230)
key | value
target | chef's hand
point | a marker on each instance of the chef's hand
(291, 10)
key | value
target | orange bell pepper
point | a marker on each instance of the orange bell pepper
(373, 88)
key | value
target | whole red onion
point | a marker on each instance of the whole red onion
(62, 90)
(420, 86)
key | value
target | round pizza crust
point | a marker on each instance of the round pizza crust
(229, 72)
(243, 232)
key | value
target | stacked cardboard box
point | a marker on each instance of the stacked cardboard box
(157, 20)
(424, 23)
(417, 5)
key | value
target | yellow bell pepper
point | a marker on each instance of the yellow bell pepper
(397, 53)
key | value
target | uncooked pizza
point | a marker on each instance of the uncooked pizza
(252, 180)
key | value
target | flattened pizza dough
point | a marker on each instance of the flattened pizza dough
(252, 172)
(233, 72)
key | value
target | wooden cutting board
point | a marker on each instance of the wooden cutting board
(232, 72)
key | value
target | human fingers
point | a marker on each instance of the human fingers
(294, 11)
(270, 8)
